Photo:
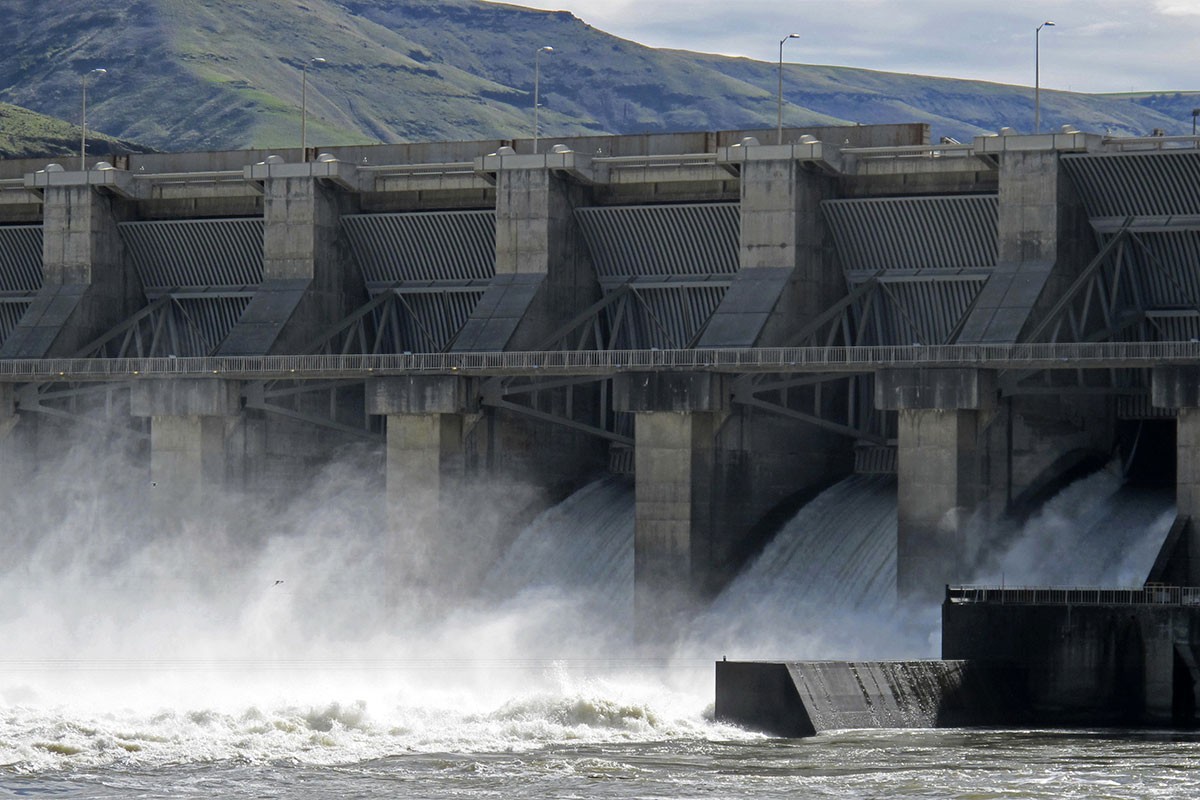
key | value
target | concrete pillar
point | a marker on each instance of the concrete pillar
(544, 274)
(544, 277)
(1043, 238)
(785, 277)
(676, 422)
(939, 465)
(425, 464)
(308, 283)
(86, 286)
(187, 436)
(12, 463)
(1178, 388)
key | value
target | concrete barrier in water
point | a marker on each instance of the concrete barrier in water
(804, 698)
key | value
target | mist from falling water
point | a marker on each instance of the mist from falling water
(298, 630)
(824, 587)
(1098, 531)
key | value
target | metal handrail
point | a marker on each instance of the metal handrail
(1074, 596)
(1152, 142)
(931, 150)
(668, 160)
(1102, 355)
(201, 176)
(432, 168)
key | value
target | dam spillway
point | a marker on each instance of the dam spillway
(856, 299)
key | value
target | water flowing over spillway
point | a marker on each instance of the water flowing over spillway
(838, 552)
(296, 637)
(1096, 532)
(823, 587)
(246, 650)
(583, 544)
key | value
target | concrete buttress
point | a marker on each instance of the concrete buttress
(939, 462)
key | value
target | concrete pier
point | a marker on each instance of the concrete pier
(307, 283)
(188, 429)
(677, 417)
(1178, 389)
(87, 284)
(938, 470)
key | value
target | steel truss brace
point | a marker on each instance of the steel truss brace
(257, 394)
(838, 317)
(496, 393)
(1087, 286)
(31, 398)
(747, 388)
(130, 332)
(555, 419)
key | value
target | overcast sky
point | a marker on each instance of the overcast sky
(1095, 46)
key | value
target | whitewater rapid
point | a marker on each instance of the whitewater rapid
(259, 636)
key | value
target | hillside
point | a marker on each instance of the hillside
(25, 133)
(226, 74)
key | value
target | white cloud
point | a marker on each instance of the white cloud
(1102, 45)
(1178, 7)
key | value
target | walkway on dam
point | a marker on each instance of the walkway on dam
(604, 363)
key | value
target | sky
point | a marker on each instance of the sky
(1094, 46)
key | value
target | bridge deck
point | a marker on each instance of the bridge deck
(603, 363)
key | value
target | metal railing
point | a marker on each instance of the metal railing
(1122, 144)
(656, 161)
(421, 170)
(1104, 355)
(959, 150)
(1074, 596)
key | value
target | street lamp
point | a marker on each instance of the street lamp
(537, 77)
(779, 137)
(1037, 76)
(1195, 113)
(304, 106)
(83, 117)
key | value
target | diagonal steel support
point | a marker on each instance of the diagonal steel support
(557, 420)
(865, 289)
(1080, 283)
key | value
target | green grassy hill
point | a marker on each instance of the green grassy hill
(27, 134)
(225, 74)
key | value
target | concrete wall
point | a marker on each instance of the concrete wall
(1087, 664)
(1044, 242)
(803, 698)
(88, 285)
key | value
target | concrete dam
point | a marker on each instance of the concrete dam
(734, 325)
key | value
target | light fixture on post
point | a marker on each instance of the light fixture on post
(1037, 75)
(83, 117)
(779, 134)
(537, 78)
(304, 106)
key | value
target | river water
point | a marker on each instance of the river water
(256, 659)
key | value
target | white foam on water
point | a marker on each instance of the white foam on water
(301, 634)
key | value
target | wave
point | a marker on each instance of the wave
(35, 740)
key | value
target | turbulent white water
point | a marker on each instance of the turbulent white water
(824, 587)
(1095, 532)
(584, 545)
(244, 647)
(255, 635)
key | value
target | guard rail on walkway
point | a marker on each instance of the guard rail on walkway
(604, 363)
(1060, 596)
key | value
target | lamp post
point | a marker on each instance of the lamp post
(1195, 113)
(83, 117)
(779, 135)
(304, 106)
(537, 78)
(1037, 76)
